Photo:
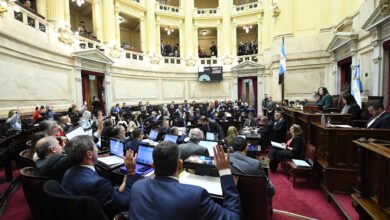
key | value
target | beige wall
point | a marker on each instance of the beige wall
(206, 3)
(130, 37)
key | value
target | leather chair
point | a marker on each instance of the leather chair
(25, 160)
(255, 202)
(32, 188)
(60, 206)
(295, 171)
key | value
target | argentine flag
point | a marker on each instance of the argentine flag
(357, 87)
(282, 68)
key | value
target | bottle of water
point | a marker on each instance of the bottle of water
(328, 122)
(323, 120)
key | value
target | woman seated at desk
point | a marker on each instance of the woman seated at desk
(350, 106)
(294, 148)
(326, 98)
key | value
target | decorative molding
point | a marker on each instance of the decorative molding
(93, 55)
(66, 35)
(341, 39)
(377, 18)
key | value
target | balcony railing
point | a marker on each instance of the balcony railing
(168, 9)
(238, 9)
(133, 55)
(171, 60)
(31, 18)
(253, 57)
(206, 12)
(208, 61)
(85, 42)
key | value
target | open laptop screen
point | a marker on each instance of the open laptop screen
(145, 155)
(171, 138)
(116, 147)
(209, 145)
(153, 135)
(210, 136)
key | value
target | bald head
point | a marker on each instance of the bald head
(47, 146)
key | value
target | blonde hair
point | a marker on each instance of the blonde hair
(231, 134)
(297, 129)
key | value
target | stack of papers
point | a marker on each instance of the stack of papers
(300, 163)
(339, 126)
(209, 183)
(278, 145)
(111, 160)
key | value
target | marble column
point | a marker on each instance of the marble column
(151, 27)
(260, 92)
(226, 29)
(97, 19)
(234, 40)
(190, 48)
(108, 22)
(182, 41)
(158, 27)
(143, 34)
(117, 26)
(67, 13)
(259, 35)
(79, 87)
(377, 55)
(41, 7)
(55, 11)
(107, 89)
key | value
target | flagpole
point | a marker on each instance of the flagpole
(283, 88)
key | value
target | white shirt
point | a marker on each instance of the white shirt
(90, 167)
(373, 120)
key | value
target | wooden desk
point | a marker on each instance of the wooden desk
(304, 119)
(336, 157)
(372, 197)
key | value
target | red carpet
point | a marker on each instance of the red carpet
(305, 199)
(346, 202)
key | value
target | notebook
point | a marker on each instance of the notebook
(116, 151)
(144, 159)
(209, 145)
(278, 145)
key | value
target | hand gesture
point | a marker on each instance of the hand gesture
(100, 123)
(130, 161)
(221, 161)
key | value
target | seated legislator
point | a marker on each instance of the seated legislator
(231, 134)
(250, 121)
(241, 164)
(280, 128)
(326, 98)
(213, 127)
(82, 179)
(137, 140)
(350, 106)
(164, 129)
(294, 148)
(193, 147)
(380, 118)
(165, 198)
(51, 163)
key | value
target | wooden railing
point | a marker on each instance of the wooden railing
(31, 18)
(238, 9)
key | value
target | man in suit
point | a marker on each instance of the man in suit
(280, 128)
(271, 105)
(138, 135)
(82, 178)
(165, 198)
(380, 118)
(193, 147)
(241, 164)
(51, 163)
(213, 127)
(264, 104)
(250, 121)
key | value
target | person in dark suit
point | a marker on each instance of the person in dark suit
(137, 140)
(165, 198)
(250, 121)
(266, 132)
(294, 148)
(280, 128)
(213, 127)
(264, 104)
(82, 178)
(193, 147)
(271, 106)
(351, 107)
(380, 118)
(241, 164)
(51, 163)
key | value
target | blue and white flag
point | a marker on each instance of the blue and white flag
(282, 67)
(356, 86)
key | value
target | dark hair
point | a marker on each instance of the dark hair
(34, 139)
(377, 105)
(349, 99)
(78, 147)
(47, 125)
(239, 144)
(116, 130)
(165, 156)
(324, 90)
(137, 132)
(173, 130)
(107, 123)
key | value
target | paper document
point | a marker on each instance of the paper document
(339, 126)
(111, 160)
(300, 163)
(278, 145)
(209, 183)
(76, 132)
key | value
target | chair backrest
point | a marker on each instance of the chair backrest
(255, 202)
(32, 188)
(60, 206)
(310, 154)
(25, 160)
(336, 101)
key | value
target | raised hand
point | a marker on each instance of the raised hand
(221, 160)
(130, 161)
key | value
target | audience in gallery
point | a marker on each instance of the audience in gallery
(168, 51)
(193, 147)
(350, 106)
(294, 148)
(379, 118)
(247, 48)
(163, 197)
(325, 97)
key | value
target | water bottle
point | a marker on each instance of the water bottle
(328, 122)
(323, 120)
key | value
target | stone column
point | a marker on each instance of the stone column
(107, 89)
(55, 11)
(117, 26)
(143, 34)
(190, 48)
(226, 29)
(235, 86)
(260, 92)
(234, 44)
(97, 19)
(79, 87)
(108, 22)
(66, 12)
(377, 54)
(151, 27)
(158, 27)
(259, 34)
(41, 7)
(182, 41)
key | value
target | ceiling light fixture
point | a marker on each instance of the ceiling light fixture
(204, 32)
(79, 2)
(169, 30)
(247, 28)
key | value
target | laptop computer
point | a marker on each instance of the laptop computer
(144, 160)
(209, 145)
(171, 138)
(116, 151)
(210, 136)
(153, 135)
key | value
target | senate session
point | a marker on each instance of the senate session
(195, 109)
